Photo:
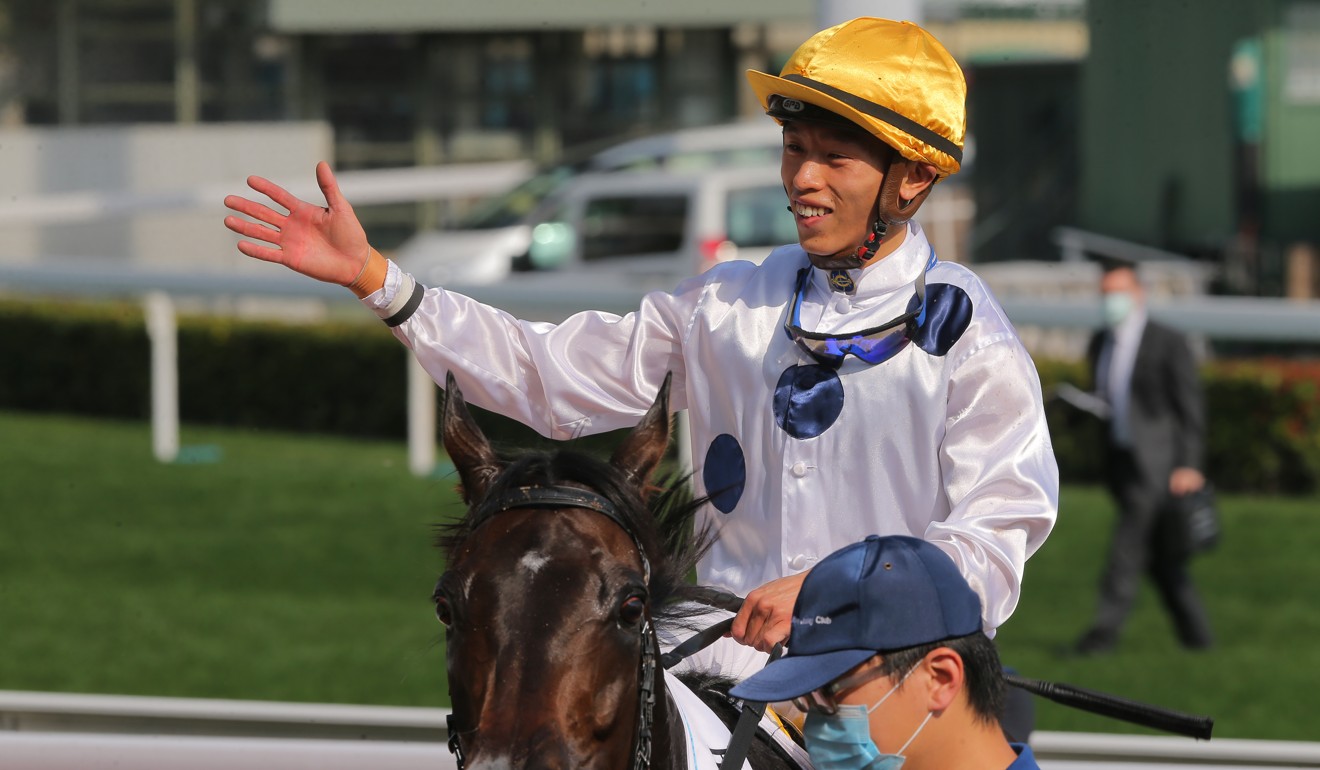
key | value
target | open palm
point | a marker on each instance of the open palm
(326, 243)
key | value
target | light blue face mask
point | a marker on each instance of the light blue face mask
(1117, 307)
(842, 740)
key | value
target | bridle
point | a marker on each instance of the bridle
(557, 497)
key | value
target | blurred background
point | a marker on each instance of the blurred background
(175, 419)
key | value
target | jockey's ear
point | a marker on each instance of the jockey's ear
(467, 446)
(645, 446)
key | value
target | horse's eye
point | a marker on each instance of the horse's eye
(632, 609)
(443, 613)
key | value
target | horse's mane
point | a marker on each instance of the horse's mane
(663, 522)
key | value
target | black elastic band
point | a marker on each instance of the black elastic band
(409, 307)
(881, 112)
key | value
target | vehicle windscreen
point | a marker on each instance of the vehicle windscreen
(632, 225)
(759, 216)
(513, 206)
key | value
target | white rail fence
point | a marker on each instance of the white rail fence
(1230, 318)
(55, 731)
(361, 187)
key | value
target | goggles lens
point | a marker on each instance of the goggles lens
(873, 346)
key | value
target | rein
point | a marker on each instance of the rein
(574, 497)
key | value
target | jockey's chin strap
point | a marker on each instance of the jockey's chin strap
(576, 497)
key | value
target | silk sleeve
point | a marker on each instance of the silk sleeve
(999, 472)
(593, 372)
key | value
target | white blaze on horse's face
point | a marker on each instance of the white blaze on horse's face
(547, 605)
(543, 653)
(533, 561)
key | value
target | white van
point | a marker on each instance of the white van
(495, 239)
(647, 229)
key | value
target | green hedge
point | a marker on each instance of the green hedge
(94, 360)
(1264, 425)
(348, 379)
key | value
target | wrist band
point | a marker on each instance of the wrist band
(372, 276)
(411, 301)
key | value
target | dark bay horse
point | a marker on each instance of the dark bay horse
(556, 578)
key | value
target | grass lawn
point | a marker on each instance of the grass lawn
(292, 569)
(1258, 586)
(300, 568)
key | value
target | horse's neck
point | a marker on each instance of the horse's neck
(668, 743)
(695, 735)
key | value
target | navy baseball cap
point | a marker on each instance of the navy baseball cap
(884, 593)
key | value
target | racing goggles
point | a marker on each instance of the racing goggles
(874, 345)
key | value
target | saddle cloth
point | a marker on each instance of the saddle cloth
(707, 737)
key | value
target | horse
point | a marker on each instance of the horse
(557, 576)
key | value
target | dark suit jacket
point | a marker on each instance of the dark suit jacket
(1165, 409)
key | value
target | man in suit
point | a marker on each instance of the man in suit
(1154, 443)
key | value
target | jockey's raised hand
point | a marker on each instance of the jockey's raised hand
(323, 242)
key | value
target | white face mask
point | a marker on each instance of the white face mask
(1117, 307)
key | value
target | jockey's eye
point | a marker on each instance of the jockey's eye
(443, 613)
(632, 610)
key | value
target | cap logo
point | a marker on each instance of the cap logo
(792, 105)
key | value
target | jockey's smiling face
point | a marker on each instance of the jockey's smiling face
(832, 176)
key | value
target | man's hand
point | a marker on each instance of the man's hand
(767, 614)
(327, 244)
(1185, 481)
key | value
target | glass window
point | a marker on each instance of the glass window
(631, 225)
(518, 204)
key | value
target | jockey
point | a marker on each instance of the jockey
(886, 636)
(851, 384)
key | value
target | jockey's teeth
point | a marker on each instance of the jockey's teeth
(811, 211)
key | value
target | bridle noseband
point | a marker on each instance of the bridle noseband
(556, 497)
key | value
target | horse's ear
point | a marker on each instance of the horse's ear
(467, 446)
(645, 446)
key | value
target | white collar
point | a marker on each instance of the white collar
(895, 271)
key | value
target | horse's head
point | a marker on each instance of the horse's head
(547, 597)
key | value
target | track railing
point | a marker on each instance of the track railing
(54, 731)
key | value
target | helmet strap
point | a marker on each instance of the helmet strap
(873, 239)
(892, 211)
(892, 214)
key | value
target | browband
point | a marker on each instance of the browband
(560, 497)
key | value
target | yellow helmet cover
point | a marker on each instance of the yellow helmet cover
(893, 79)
